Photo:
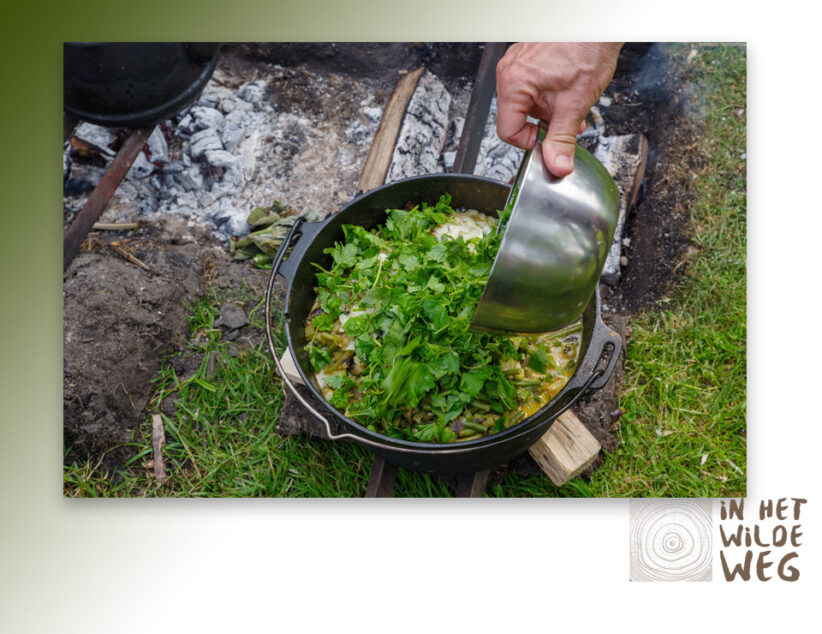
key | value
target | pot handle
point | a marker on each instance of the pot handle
(306, 235)
(587, 388)
(601, 338)
(604, 336)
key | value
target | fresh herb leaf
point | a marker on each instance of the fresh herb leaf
(344, 255)
(323, 322)
(318, 356)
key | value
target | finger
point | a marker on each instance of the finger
(513, 106)
(560, 143)
(583, 125)
(516, 130)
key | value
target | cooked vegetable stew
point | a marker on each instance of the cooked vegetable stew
(388, 334)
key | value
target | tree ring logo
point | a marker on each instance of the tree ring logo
(670, 540)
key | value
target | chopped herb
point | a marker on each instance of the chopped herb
(393, 339)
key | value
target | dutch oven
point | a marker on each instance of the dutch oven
(134, 84)
(599, 349)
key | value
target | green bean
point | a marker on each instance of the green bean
(513, 417)
(326, 339)
(475, 426)
(485, 407)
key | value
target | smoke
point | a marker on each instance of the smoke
(661, 80)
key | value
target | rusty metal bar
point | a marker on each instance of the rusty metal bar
(383, 477)
(97, 201)
(485, 84)
(472, 485)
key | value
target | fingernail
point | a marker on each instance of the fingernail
(563, 162)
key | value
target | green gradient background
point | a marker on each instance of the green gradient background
(60, 557)
(127, 565)
(31, 114)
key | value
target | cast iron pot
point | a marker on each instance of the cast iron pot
(134, 84)
(468, 192)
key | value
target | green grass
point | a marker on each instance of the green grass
(682, 434)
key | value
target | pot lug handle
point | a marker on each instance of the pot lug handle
(308, 232)
(606, 337)
(602, 338)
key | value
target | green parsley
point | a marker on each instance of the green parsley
(390, 336)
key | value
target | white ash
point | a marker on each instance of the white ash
(157, 146)
(373, 114)
(141, 168)
(233, 151)
(497, 159)
(428, 141)
(244, 144)
(95, 136)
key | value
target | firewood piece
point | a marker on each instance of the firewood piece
(382, 148)
(423, 133)
(382, 480)
(472, 485)
(290, 368)
(566, 449)
(114, 226)
(158, 439)
(639, 176)
(625, 158)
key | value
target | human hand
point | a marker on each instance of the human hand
(557, 83)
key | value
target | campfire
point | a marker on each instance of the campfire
(311, 140)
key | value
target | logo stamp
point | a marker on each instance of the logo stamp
(671, 540)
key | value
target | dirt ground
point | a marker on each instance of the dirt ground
(121, 321)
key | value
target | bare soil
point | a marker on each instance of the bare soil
(121, 321)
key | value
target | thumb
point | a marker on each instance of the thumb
(560, 143)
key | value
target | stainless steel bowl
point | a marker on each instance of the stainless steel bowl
(553, 249)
